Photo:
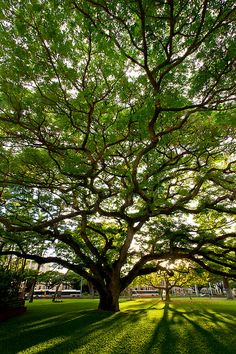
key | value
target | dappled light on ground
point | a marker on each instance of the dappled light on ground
(142, 327)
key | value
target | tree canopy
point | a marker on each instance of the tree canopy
(118, 136)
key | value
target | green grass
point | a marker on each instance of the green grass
(142, 327)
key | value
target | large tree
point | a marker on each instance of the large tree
(117, 128)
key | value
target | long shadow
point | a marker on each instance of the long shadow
(166, 339)
(163, 340)
(67, 330)
(63, 330)
(63, 326)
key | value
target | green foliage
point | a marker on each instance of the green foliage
(9, 289)
(52, 278)
(180, 275)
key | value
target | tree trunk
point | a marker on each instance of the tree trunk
(167, 289)
(56, 292)
(229, 292)
(91, 289)
(167, 299)
(22, 290)
(109, 292)
(109, 295)
(109, 301)
(31, 293)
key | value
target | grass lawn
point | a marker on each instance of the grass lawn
(143, 326)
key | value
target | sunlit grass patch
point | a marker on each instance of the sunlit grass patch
(47, 345)
(143, 326)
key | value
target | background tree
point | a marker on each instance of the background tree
(34, 283)
(51, 278)
(54, 279)
(180, 275)
(117, 126)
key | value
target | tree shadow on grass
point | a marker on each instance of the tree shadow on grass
(63, 332)
(194, 336)
(168, 330)
(62, 326)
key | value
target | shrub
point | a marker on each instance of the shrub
(9, 289)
